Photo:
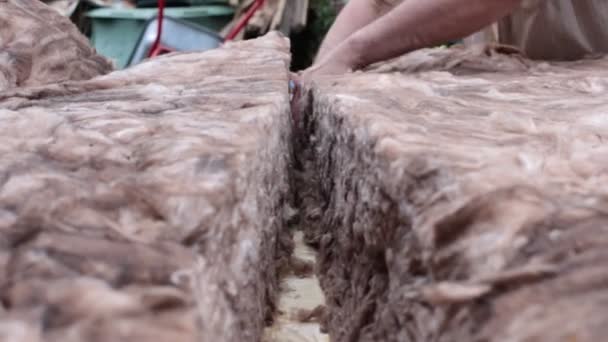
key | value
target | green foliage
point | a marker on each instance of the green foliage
(325, 16)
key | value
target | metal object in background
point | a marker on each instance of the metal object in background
(177, 35)
(116, 32)
(158, 47)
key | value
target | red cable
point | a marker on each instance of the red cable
(244, 20)
(155, 49)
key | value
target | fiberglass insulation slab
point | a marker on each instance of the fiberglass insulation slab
(146, 205)
(39, 46)
(461, 196)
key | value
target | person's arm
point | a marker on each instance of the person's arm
(412, 25)
(355, 15)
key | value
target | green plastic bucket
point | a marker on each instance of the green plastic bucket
(115, 31)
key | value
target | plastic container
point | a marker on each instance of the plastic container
(153, 3)
(178, 35)
(116, 31)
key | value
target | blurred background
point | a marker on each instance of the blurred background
(126, 30)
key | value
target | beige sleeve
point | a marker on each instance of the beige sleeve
(491, 34)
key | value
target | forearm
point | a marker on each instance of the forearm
(355, 15)
(417, 24)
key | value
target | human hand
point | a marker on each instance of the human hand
(341, 60)
(300, 87)
(327, 67)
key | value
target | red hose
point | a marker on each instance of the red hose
(244, 20)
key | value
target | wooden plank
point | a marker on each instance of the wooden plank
(279, 15)
(300, 18)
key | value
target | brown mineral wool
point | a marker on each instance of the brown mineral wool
(460, 203)
(147, 204)
(39, 46)
(315, 315)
